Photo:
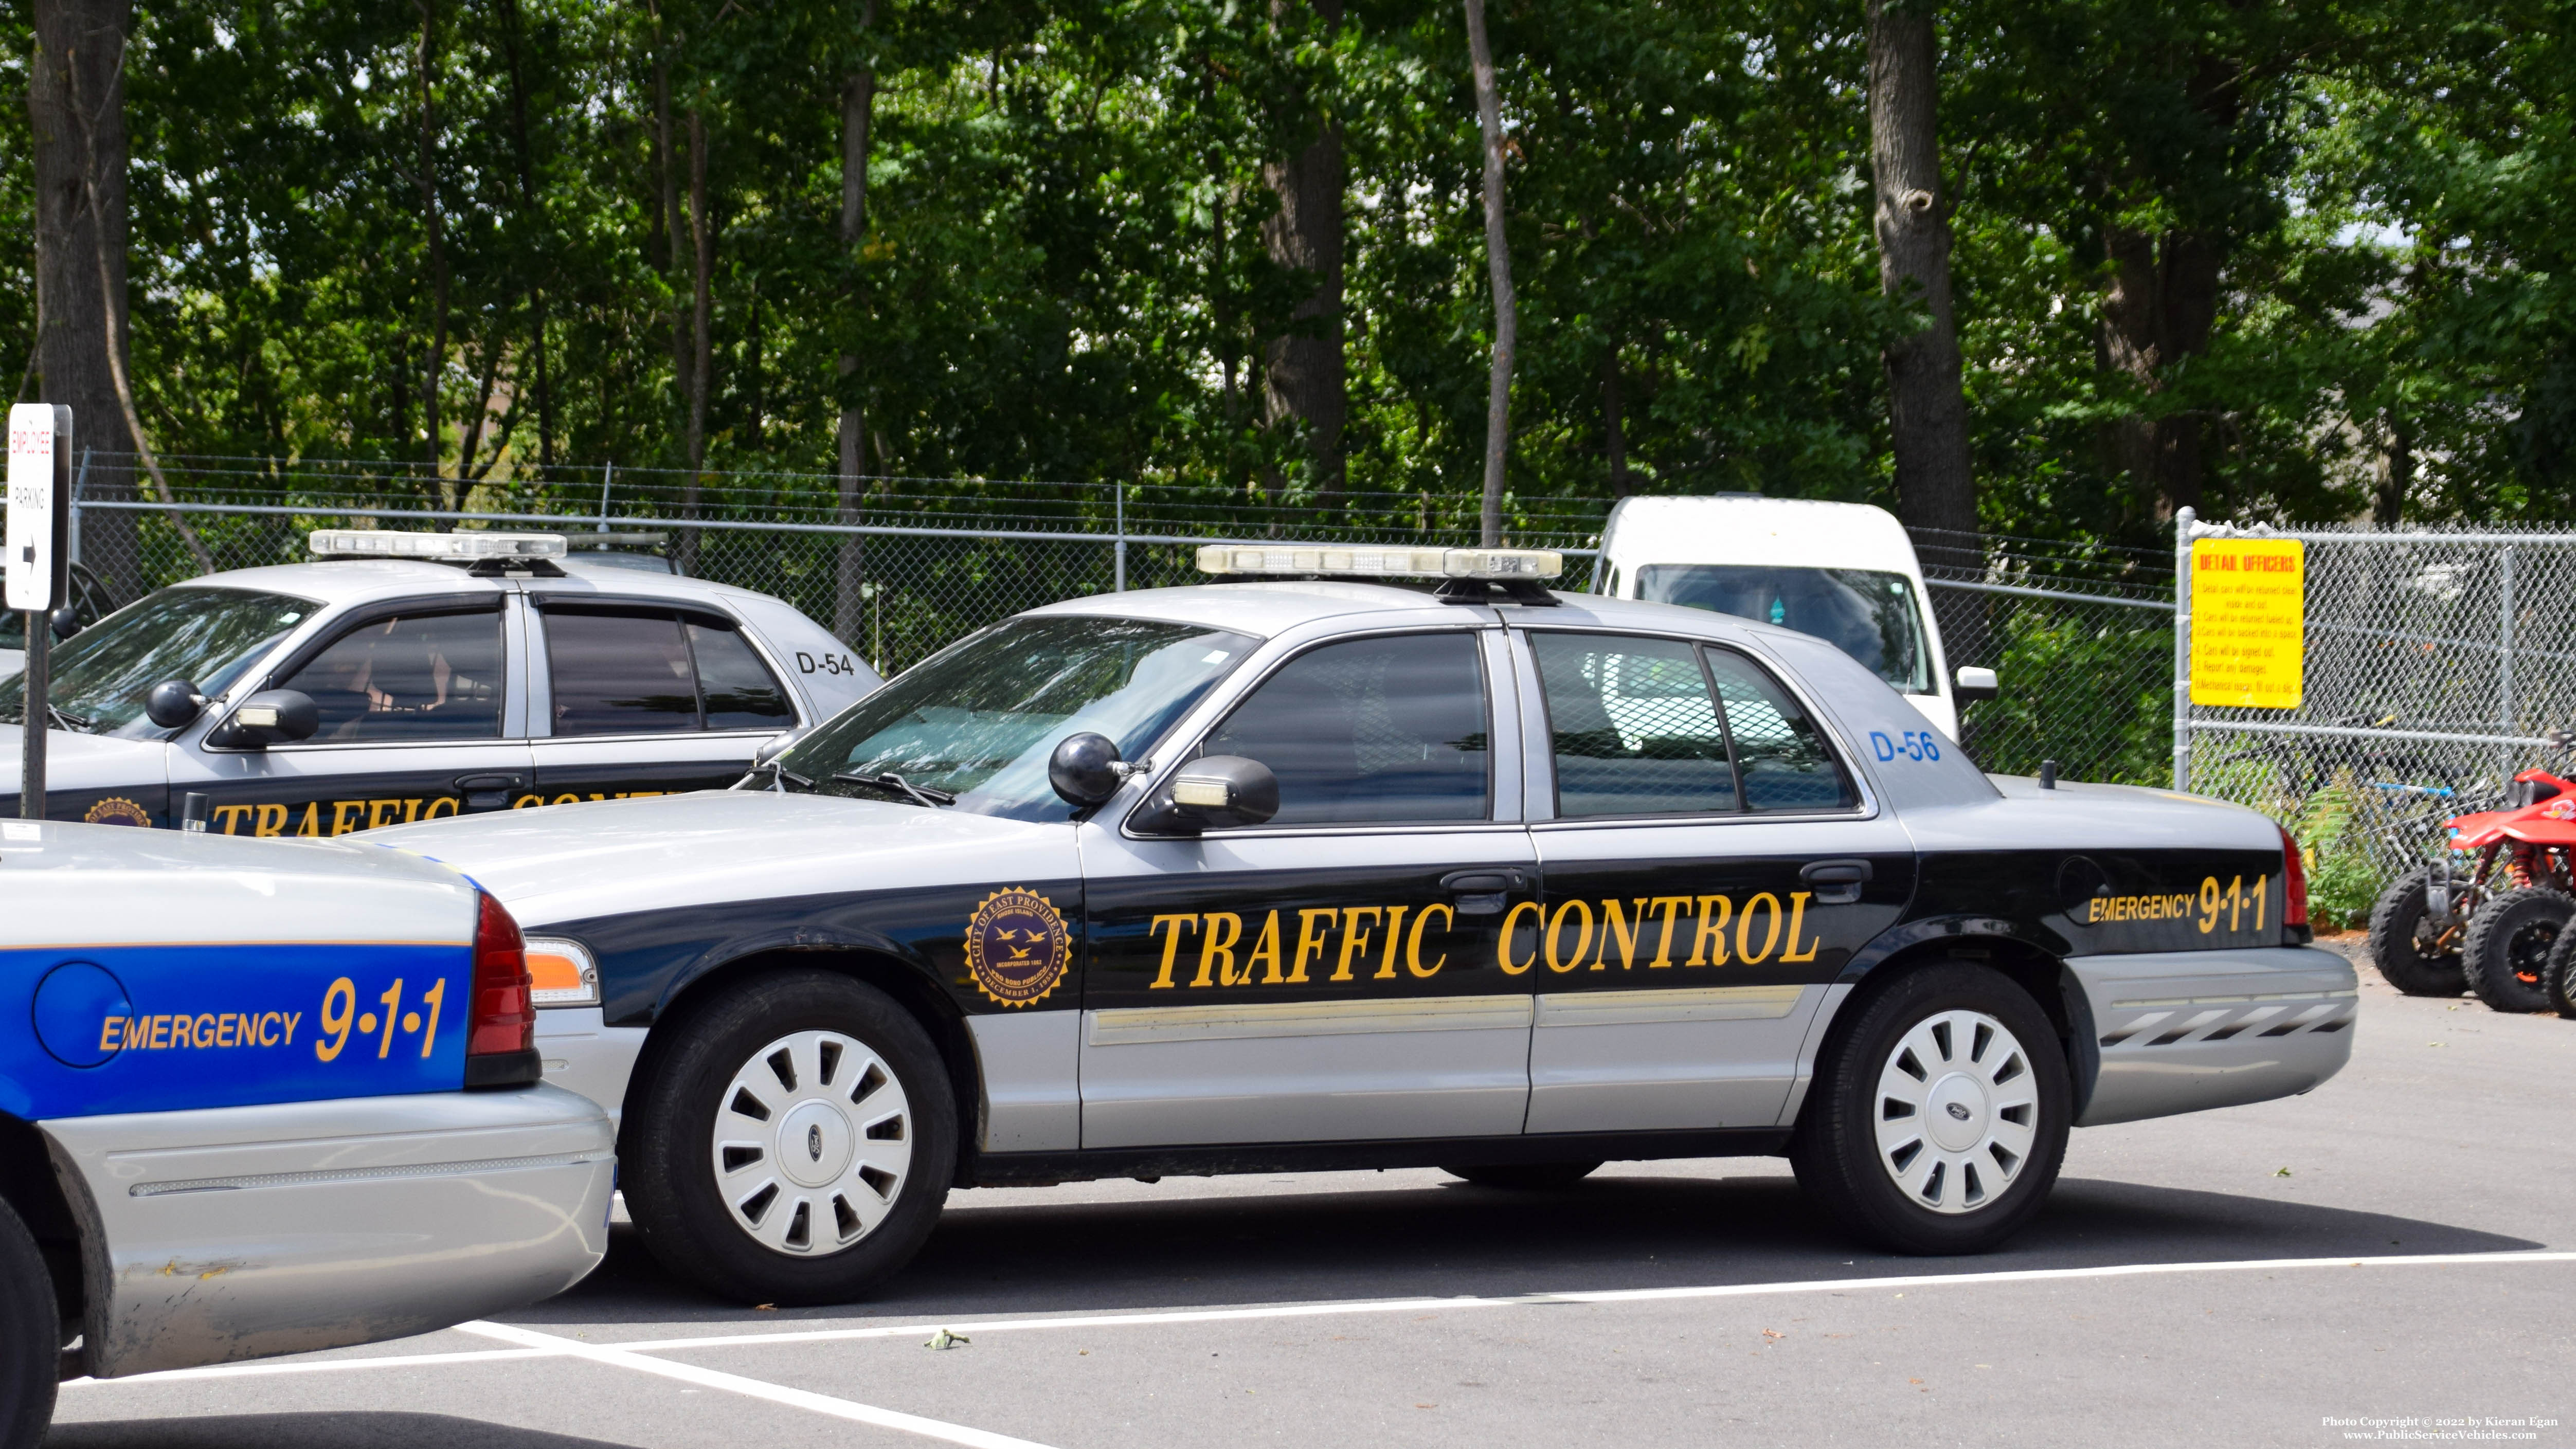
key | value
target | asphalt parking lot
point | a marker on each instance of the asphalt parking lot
(2397, 1249)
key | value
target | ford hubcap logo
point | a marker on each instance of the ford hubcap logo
(814, 1137)
(1959, 1110)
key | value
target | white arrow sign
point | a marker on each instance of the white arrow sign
(40, 440)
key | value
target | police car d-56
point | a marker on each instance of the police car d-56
(409, 676)
(260, 1097)
(1322, 872)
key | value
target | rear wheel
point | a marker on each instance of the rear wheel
(2558, 976)
(2416, 956)
(1525, 1174)
(30, 1338)
(2508, 943)
(796, 1145)
(1937, 1123)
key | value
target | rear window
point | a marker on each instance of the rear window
(649, 671)
(1866, 613)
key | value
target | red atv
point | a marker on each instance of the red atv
(2493, 922)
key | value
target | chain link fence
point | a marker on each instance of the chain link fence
(2081, 636)
(2437, 666)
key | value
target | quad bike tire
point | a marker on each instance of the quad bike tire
(2558, 978)
(2508, 945)
(2404, 947)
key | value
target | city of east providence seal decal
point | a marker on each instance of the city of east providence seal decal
(1017, 946)
(117, 810)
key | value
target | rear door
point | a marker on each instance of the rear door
(418, 722)
(1340, 973)
(646, 699)
(1709, 865)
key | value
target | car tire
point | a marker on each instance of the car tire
(2398, 947)
(1525, 1175)
(30, 1337)
(794, 1145)
(1956, 1045)
(2508, 943)
(2558, 977)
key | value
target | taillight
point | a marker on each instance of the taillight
(504, 1019)
(2294, 882)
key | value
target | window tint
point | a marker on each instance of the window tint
(740, 692)
(420, 677)
(1369, 731)
(1632, 725)
(620, 674)
(1781, 752)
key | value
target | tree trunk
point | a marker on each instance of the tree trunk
(1614, 435)
(1926, 410)
(2396, 475)
(434, 374)
(1498, 260)
(2160, 309)
(673, 227)
(531, 215)
(1306, 375)
(858, 115)
(80, 45)
(702, 239)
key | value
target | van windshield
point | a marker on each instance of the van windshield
(1867, 614)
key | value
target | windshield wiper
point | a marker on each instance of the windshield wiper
(75, 723)
(780, 776)
(889, 780)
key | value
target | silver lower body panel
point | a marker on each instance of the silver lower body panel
(2184, 1031)
(242, 1232)
(584, 1056)
(1628, 1061)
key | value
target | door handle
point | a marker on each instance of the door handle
(1836, 882)
(490, 782)
(1482, 892)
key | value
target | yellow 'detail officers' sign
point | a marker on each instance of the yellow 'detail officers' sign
(2249, 632)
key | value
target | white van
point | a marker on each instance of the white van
(1844, 572)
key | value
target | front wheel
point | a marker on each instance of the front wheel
(1937, 1123)
(30, 1337)
(2415, 956)
(794, 1145)
(2508, 944)
(2558, 975)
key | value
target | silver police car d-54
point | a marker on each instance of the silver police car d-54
(1320, 872)
(410, 676)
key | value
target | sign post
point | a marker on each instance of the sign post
(35, 562)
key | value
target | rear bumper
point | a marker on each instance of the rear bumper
(2183, 1031)
(242, 1232)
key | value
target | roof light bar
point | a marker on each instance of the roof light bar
(1437, 563)
(442, 547)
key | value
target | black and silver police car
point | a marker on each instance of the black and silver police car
(410, 676)
(1324, 872)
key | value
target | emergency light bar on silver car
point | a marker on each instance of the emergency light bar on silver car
(443, 547)
(1438, 563)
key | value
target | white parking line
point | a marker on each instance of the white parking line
(752, 1388)
(542, 1345)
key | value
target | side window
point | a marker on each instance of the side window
(1371, 731)
(418, 677)
(1783, 755)
(620, 674)
(740, 692)
(1633, 727)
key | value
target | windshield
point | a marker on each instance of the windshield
(1866, 614)
(979, 719)
(206, 636)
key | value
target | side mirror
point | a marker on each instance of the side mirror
(1975, 683)
(66, 621)
(1085, 769)
(1215, 793)
(172, 703)
(270, 717)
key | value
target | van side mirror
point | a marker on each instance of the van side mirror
(270, 717)
(1975, 682)
(173, 703)
(1215, 793)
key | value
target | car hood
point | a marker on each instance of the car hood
(616, 857)
(76, 761)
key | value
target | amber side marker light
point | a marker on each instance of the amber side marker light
(562, 973)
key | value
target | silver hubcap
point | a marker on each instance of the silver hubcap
(812, 1143)
(1958, 1109)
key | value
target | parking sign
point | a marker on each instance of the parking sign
(38, 537)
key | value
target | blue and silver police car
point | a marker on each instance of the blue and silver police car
(265, 1097)
(1335, 865)
(411, 676)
